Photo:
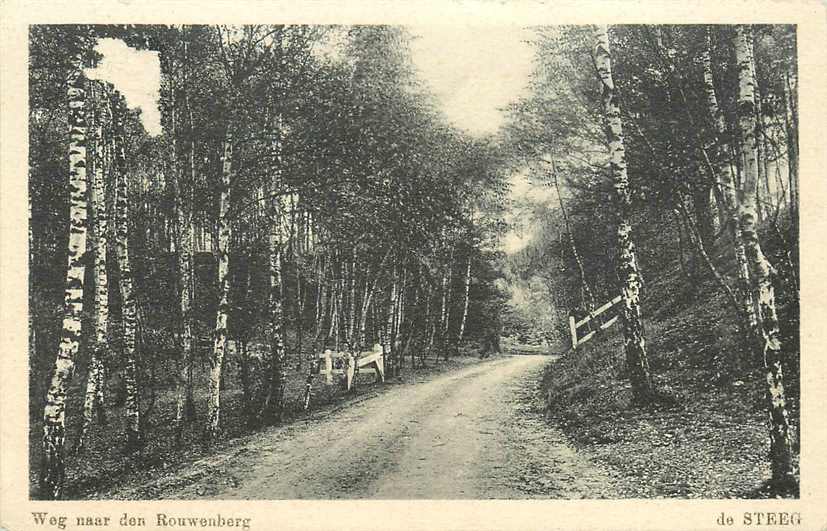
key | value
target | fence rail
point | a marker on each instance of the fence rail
(574, 325)
(345, 363)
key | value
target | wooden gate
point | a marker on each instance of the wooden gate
(344, 363)
(575, 325)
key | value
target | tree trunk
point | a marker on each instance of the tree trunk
(188, 280)
(760, 269)
(791, 130)
(430, 325)
(412, 332)
(129, 308)
(388, 335)
(182, 230)
(351, 328)
(363, 339)
(296, 242)
(337, 303)
(272, 409)
(31, 284)
(705, 220)
(681, 262)
(627, 268)
(724, 180)
(445, 317)
(220, 331)
(299, 314)
(54, 413)
(244, 375)
(244, 354)
(333, 331)
(726, 183)
(704, 223)
(397, 331)
(465, 298)
(94, 377)
(443, 314)
(586, 289)
(321, 303)
(697, 242)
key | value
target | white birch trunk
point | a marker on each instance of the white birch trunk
(467, 291)
(725, 184)
(273, 404)
(627, 268)
(54, 414)
(94, 378)
(771, 351)
(220, 331)
(129, 308)
(182, 230)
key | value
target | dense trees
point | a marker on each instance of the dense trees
(708, 121)
(304, 194)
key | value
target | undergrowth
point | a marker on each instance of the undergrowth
(705, 434)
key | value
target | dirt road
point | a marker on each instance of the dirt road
(475, 433)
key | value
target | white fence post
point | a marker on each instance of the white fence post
(573, 328)
(379, 354)
(350, 370)
(328, 366)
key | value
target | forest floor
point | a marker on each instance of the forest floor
(706, 436)
(476, 431)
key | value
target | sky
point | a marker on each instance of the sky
(473, 72)
(523, 188)
(136, 74)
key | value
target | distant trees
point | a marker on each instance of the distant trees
(304, 194)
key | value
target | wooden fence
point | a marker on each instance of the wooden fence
(575, 325)
(344, 363)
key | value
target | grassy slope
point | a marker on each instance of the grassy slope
(712, 441)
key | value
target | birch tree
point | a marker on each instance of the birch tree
(181, 216)
(95, 374)
(129, 308)
(728, 203)
(273, 407)
(771, 349)
(54, 414)
(465, 298)
(627, 268)
(223, 253)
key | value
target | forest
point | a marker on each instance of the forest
(306, 193)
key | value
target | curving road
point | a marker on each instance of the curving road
(478, 432)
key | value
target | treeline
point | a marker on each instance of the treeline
(304, 194)
(691, 134)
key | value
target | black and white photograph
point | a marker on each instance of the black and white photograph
(411, 260)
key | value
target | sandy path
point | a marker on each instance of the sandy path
(475, 433)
